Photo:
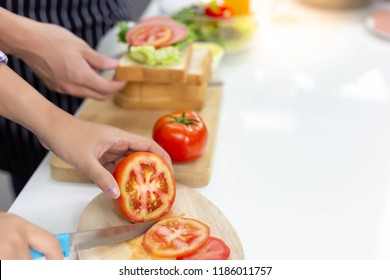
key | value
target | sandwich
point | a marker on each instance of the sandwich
(159, 50)
(188, 95)
(162, 68)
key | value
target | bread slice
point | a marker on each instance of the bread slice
(200, 68)
(187, 96)
(132, 71)
(162, 96)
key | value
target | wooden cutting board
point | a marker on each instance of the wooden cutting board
(101, 212)
(192, 174)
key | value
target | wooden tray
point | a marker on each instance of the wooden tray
(101, 212)
(192, 174)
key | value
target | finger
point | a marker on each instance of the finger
(151, 146)
(157, 149)
(134, 142)
(99, 61)
(100, 85)
(14, 250)
(91, 79)
(83, 91)
(103, 179)
(23, 253)
(45, 243)
(114, 156)
(110, 166)
(8, 251)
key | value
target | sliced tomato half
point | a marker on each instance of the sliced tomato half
(147, 186)
(214, 249)
(150, 35)
(175, 237)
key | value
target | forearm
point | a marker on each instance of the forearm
(16, 33)
(23, 104)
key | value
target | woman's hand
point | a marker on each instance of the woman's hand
(92, 148)
(17, 236)
(95, 149)
(67, 64)
(64, 62)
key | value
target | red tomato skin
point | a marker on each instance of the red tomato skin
(183, 142)
(164, 248)
(120, 174)
(219, 12)
(213, 249)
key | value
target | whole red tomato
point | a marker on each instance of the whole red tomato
(147, 186)
(182, 134)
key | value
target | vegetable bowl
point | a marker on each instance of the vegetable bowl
(218, 24)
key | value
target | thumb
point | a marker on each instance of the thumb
(99, 61)
(103, 179)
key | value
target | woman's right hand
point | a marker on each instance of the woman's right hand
(17, 236)
(67, 64)
(63, 61)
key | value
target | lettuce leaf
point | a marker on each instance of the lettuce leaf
(151, 56)
(123, 28)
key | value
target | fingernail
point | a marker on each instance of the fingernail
(114, 192)
(112, 62)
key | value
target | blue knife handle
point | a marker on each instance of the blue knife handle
(64, 240)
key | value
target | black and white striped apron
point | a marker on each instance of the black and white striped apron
(20, 150)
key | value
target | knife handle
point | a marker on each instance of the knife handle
(64, 240)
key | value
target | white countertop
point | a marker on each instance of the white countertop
(302, 162)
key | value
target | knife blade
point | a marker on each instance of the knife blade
(75, 241)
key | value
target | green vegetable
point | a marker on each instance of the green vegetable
(182, 44)
(214, 6)
(152, 56)
(231, 34)
(123, 28)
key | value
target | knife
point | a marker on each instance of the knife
(71, 242)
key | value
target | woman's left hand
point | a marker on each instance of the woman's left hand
(95, 149)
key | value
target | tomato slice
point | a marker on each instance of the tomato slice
(178, 31)
(214, 249)
(175, 237)
(147, 186)
(150, 35)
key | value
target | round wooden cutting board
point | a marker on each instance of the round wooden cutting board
(101, 213)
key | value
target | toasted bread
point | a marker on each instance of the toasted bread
(132, 71)
(190, 95)
(162, 96)
(199, 71)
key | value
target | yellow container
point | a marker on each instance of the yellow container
(239, 7)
